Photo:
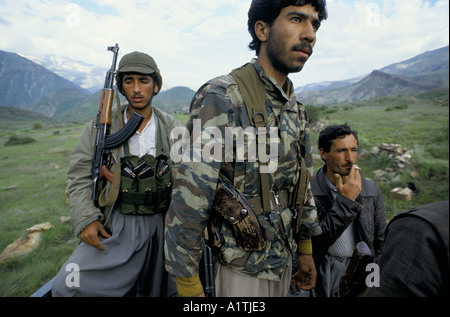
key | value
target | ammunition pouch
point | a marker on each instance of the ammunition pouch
(246, 217)
(232, 207)
(144, 188)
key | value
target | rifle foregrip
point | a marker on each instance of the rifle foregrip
(106, 106)
(115, 140)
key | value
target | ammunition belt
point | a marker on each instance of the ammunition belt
(145, 199)
(278, 201)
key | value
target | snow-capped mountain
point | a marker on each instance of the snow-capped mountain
(87, 76)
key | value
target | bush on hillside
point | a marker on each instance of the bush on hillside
(15, 140)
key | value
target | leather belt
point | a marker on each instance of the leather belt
(278, 200)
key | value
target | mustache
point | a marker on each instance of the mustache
(305, 47)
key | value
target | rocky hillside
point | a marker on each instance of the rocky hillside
(23, 82)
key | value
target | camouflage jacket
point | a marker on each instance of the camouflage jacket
(218, 104)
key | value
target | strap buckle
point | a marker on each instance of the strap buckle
(254, 122)
(276, 196)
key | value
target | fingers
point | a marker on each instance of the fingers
(93, 240)
(305, 282)
(97, 244)
(339, 182)
(305, 278)
(92, 235)
(104, 233)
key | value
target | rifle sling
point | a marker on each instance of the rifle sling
(253, 93)
(303, 182)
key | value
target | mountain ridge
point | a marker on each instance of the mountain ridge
(31, 86)
(423, 72)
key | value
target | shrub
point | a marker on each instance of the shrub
(37, 126)
(15, 140)
(397, 107)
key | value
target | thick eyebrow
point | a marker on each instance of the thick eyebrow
(353, 148)
(305, 16)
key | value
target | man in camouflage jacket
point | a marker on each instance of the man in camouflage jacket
(219, 104)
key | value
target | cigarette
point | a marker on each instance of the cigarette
(357, 167)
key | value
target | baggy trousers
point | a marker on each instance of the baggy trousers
(133, 256)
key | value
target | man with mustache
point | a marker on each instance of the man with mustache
(350, 208)
(283, 35)
(121, 249)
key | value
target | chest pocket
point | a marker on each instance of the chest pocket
(146, 182)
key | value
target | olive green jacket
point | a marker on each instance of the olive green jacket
(80, 186)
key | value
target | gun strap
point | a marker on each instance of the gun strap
(109, 198)
(253, 93)
(303, 182)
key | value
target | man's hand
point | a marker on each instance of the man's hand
(305, 278)
(93, 233)
(349, 186)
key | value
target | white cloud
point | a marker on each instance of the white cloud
(193, 41)
(360, 36)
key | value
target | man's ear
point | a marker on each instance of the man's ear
(323, 154)
(262, 30)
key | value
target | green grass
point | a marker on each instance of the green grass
(32, 191)
(32, 188)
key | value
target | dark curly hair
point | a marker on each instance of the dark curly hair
(333, 132)
(269, 10)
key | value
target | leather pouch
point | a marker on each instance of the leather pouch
(238, 213)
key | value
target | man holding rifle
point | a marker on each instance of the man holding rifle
(121, 224)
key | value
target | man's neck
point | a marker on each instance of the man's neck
(330, 176)
(147, 112)
(265, 63)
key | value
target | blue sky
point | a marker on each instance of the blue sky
(193, 41)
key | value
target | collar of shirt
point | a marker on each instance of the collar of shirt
(273, 88)
(332, 188)
(144, 142)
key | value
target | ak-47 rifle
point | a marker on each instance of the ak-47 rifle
(105, 141)
(352, 283)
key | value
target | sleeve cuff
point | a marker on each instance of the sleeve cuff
(305, 247)
(189, 286)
